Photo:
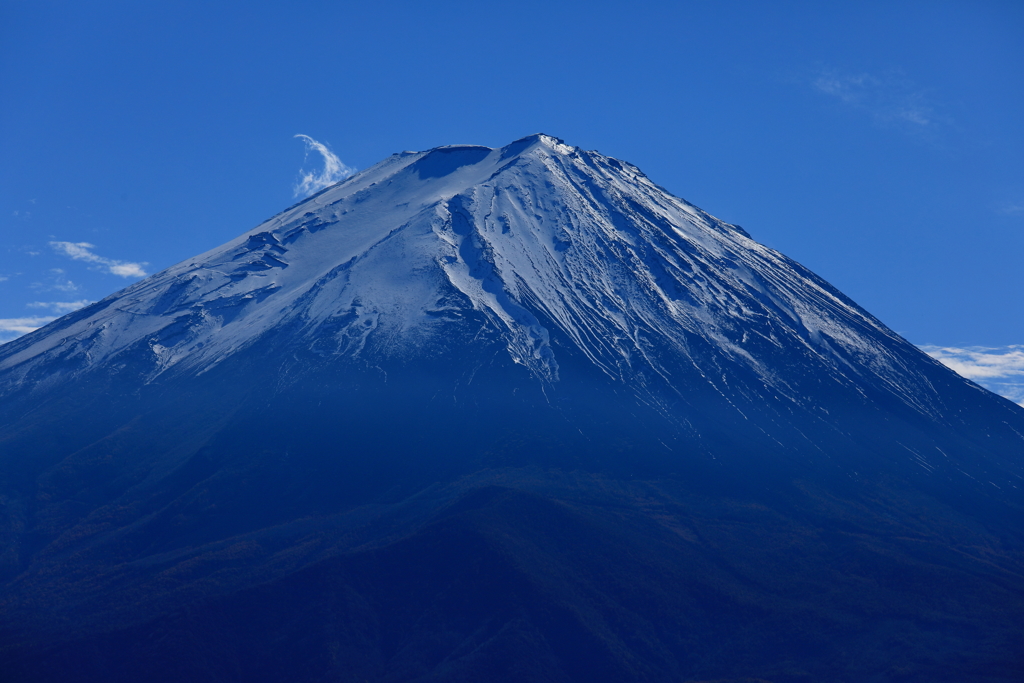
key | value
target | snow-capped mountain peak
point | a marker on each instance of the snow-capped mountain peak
(540, 238)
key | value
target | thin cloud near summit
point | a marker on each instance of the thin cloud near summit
(333, 171)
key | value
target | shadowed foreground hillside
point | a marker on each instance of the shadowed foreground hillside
(514, 575)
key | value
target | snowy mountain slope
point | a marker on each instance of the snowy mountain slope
(536, 235)
(555, 255)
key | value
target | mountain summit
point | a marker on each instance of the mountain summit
(513, 413)
(538, 237)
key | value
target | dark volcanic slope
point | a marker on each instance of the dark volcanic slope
(582, 578)
(511, 414)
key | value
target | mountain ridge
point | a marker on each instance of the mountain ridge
(262, 248)
(530, 240)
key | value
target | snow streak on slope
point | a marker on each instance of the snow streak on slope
(539, 237)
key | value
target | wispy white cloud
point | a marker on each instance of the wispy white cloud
(998, 369)
(60, 307)
(56, 281)
(1011, 209)
(60, 282)
(12, 328)
(889, 98)
(333, 170)
(82, 251)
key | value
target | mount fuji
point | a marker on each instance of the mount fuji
(500, 414)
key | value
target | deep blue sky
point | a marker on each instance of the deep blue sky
(880, 144)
